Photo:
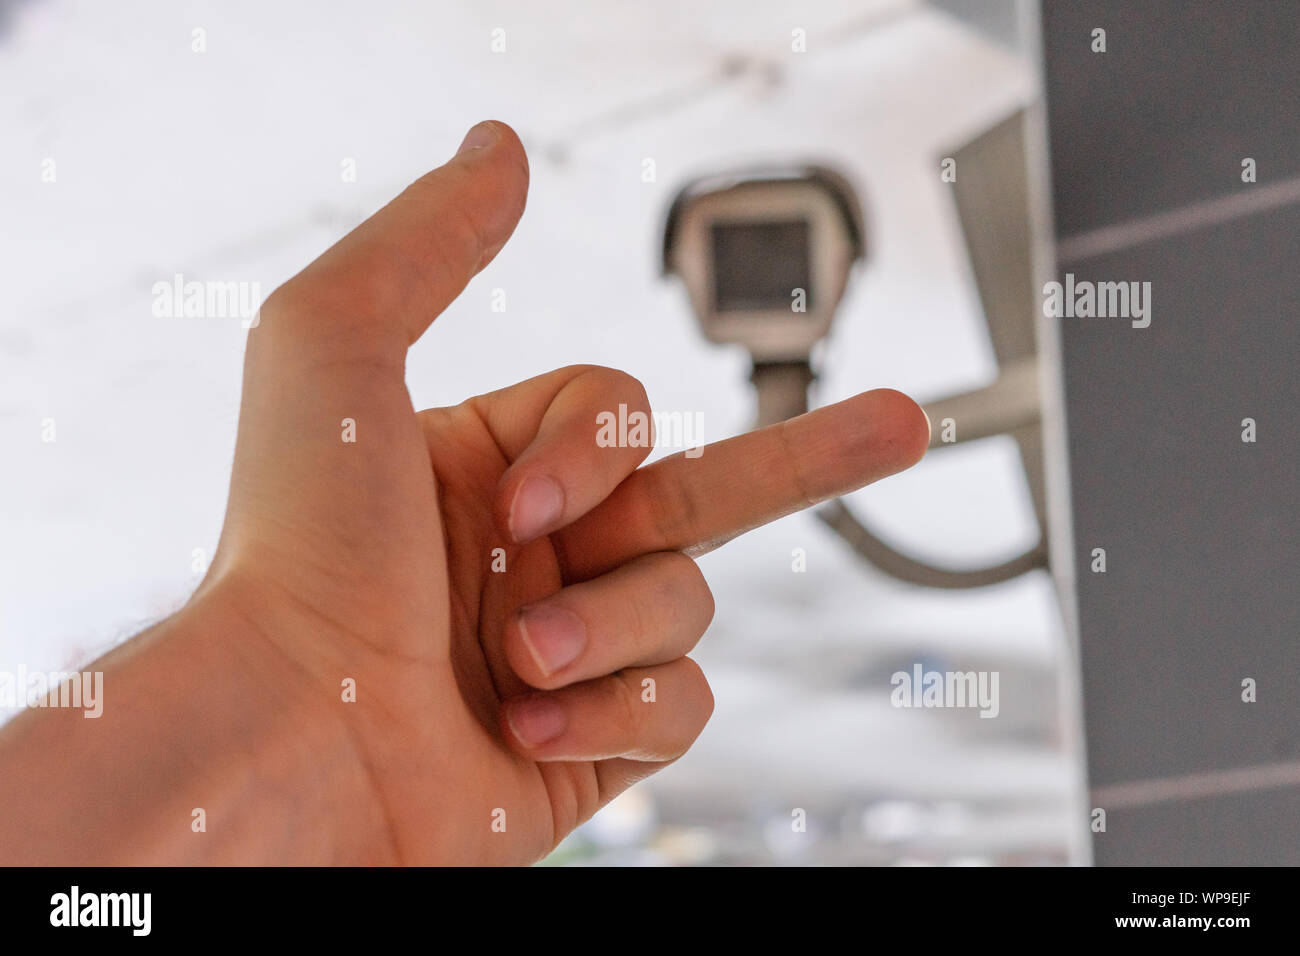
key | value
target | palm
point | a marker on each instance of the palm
(389, 541)
(552, 798)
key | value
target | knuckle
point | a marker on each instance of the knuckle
(795, 467)
(624, 690)
(617, 385)
(609, 389)
(322, 319)
(433, 263)
(461, 238)
(702, 692)
(706, 598)
(631, 390)
(674, 508)
(360, 286)
(691, 579)
(577, 369)
(386, 279)
(680, 587)
(625, 388)
(640, 622)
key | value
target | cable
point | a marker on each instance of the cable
(1008, 403)
(839, 519)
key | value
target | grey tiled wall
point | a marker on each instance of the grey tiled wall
(1202, 587)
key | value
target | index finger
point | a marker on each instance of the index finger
(697, 504)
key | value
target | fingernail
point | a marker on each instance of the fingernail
(536, 509)
(555, 636)
(535, 720)
(480, 136)
(929, 428)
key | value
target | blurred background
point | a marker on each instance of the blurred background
(235, 141)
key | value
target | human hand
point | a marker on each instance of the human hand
(484, 735)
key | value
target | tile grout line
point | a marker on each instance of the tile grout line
(1197, 786)
(1098, 242)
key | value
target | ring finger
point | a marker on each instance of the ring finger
(651, 610)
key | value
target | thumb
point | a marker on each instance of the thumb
(376, 291)
(329, 451)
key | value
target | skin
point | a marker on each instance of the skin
(371, 561)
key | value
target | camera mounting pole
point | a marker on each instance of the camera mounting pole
(782, 389)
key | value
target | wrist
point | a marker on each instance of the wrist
(289, 779)
(210, 748)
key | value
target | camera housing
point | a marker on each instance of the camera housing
(765, 255)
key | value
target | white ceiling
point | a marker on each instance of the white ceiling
(225, 165)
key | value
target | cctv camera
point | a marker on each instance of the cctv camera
(765, 256)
